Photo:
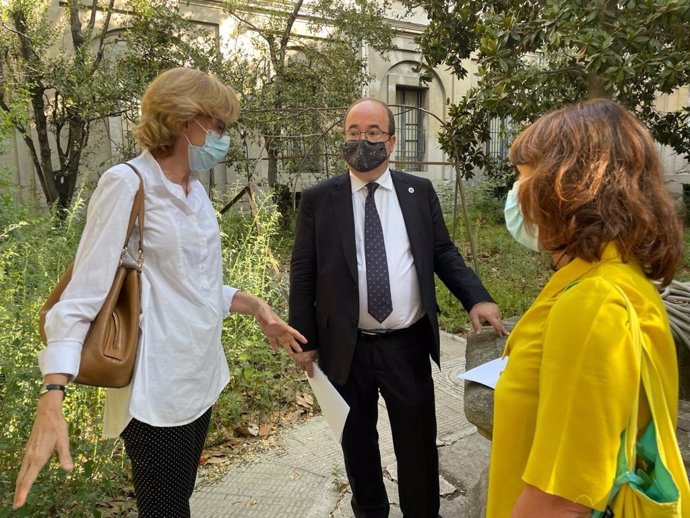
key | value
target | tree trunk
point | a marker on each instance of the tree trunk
(45, 163)
(272, 166)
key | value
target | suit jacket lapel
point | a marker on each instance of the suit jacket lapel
(409, 201)
(341, 196)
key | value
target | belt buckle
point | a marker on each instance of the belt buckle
(373, 332)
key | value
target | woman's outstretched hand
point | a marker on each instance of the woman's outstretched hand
(279, 333)
(49, 434)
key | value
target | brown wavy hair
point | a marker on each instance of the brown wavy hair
(596, 179)
(176, 97)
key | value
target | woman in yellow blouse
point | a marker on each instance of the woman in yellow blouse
(591, 194)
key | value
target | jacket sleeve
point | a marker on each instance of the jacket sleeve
(302, 313)
(449, 265)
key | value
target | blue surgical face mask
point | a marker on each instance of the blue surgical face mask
(202, 158)
(526, 235)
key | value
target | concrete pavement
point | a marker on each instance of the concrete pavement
(305, 477)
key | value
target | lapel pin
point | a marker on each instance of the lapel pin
(410, 190)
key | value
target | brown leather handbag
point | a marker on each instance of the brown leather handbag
(110, 346)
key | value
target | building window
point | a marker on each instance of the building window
(497, 145)
(411, 132)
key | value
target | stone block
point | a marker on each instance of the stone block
(479, 399)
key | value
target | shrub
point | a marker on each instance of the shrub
(35, 249)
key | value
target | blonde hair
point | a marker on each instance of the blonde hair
(176, 97)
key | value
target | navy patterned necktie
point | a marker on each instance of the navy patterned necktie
(378, 283)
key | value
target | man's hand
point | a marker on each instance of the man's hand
(306, 360)
(49, 434)
(487, 311)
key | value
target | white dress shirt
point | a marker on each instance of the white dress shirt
(405, 294)
(181, 366)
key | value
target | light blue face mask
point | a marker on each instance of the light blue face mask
(202, 158)
(515, 223)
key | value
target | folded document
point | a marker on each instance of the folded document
(333, 406)
(486, 373)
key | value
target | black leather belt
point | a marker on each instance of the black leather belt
(377, 334)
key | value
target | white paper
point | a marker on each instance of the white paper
(333, 406)
(486, 373)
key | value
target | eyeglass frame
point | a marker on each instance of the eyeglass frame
(359, 135)
(219, 127)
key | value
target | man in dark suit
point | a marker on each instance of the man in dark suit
(367, 245)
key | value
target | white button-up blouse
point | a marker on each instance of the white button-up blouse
(181, 366)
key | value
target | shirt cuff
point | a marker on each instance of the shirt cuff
(228, 295)
(60, 358)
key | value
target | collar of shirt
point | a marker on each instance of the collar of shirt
(174, 188)
(385, 181)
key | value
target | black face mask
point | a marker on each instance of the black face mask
(364, 156)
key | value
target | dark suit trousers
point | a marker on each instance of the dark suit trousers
(399, 367)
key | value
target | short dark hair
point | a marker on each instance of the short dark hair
(391, 120)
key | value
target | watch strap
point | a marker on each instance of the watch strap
(47, 387)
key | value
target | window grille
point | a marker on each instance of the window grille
(410, 130)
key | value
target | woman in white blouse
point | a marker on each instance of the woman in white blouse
(163, 415)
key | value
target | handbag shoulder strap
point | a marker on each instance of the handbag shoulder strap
(627, 454)
(625, 465)
(137, 213)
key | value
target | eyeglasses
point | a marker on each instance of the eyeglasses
(373, 135)
(217, 127)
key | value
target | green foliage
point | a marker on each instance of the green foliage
(536, 56)
(512, 274)
(296, 73)
(262, 381)
(63, 68)
(34, 251)
(158, 38)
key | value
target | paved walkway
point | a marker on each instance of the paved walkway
(305, 477)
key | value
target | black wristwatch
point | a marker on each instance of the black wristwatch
(47, 387)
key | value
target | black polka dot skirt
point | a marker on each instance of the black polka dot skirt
(164, 465)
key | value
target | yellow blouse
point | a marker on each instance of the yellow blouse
(565, 396)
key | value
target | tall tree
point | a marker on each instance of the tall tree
(52, 93)
(305, 58)
(537, 55)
